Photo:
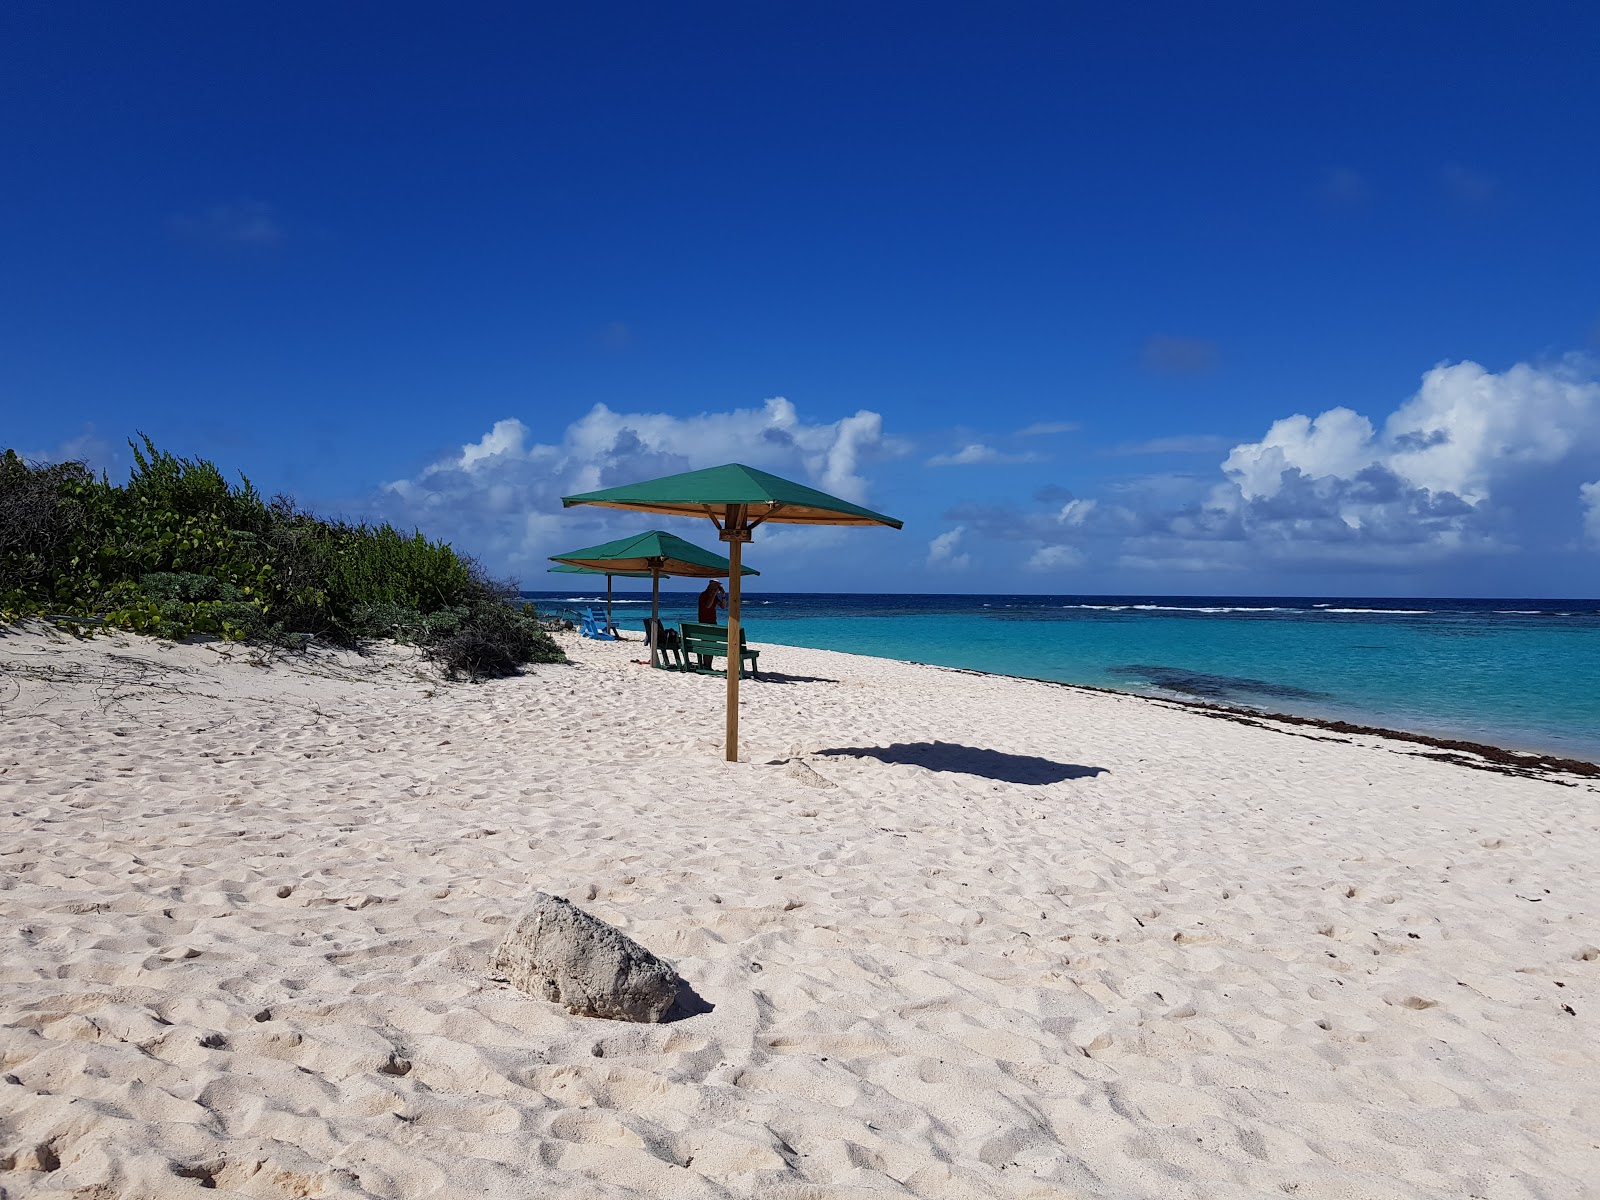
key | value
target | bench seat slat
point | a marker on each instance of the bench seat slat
(711, 641)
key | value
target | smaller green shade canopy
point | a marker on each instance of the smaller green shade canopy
(653, 553)
(569, 569)
(708, 493)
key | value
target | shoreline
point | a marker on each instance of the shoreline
(1530, 763)
(1501, 759)
(1521, 716)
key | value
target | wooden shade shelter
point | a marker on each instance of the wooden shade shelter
(736, 499)
(655, 554)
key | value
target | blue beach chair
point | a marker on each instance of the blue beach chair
(595, 627)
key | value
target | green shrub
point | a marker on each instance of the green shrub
(39, 518)
(491, 639)
(186, 585)
(179, 551)
(367, 566)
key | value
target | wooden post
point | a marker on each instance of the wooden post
(655, 613)
(735, 534)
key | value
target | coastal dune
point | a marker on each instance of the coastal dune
(953, 936)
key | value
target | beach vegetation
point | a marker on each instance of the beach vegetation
(179, 551)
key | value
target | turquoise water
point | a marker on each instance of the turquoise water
(1515, 673)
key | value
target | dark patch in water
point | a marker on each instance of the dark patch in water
(1215, 687)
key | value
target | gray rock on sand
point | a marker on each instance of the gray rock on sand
(802, 773)
(558, 952)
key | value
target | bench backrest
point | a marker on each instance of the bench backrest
(709, 634)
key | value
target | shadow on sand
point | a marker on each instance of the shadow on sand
(971, 760)
(747, 678)
(689, 1003)
(780, 677)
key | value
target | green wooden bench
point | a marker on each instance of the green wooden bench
(711, 641)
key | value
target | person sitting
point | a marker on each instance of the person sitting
(711, 599)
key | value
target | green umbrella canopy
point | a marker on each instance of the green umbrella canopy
(710, 492)
(653, 553)
(569, 569)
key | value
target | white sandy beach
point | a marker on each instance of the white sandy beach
(1034, 942)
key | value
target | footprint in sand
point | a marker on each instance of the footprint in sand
(594, 1128)
(44, 1157)
(1416, 1002)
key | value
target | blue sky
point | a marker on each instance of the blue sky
(1211, 299)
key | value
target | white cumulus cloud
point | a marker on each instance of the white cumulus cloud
(1589, 493)
(88, 448)
(1464, 427)
(499, 497)
(942, 551)
(1076, 512)
(1474, 463)
(976, 453)
(1055, 558)
(1338, 443)
(1440, 475)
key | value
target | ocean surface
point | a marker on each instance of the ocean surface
(1523, 674)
